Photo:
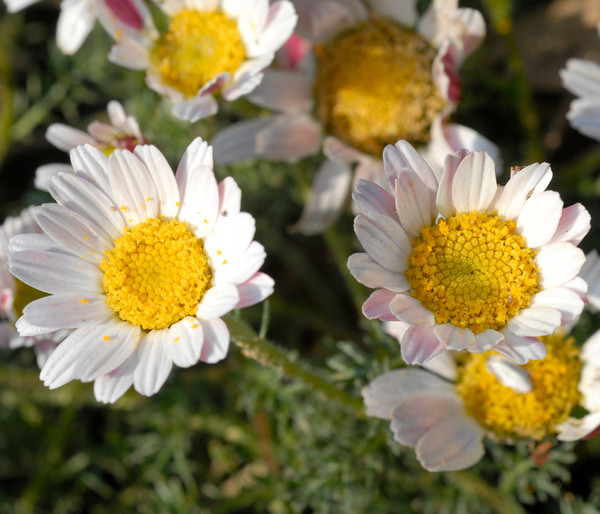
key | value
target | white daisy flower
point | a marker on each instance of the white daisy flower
(123, 132)
(445, 422)
(373, 76)
(209, 47)
(141, 265)
(582, 78)
(470, 265)
(15, 295)
(77, 18)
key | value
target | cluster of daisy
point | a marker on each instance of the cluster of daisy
(133, 267)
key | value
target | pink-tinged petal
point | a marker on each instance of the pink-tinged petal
(445, 71)
(590, 272)
(43, 349)
(527, 182)
(110, 387)
(237, 142)
(370, 197)
(521, 349)
(216, 340)
(443, 365)
(443, 198)
(575, 429)
(289, 138)
(230, 197)
(329, 194)
(103, 132)
(44, 174)
(277, 29)
(255, 290)
(404, 13)
(292, 53)
(338, 151)
(565, 301)
(127, 19)
(185, 342)
(384, 393)
(154, 364)
(384, 240)
(198, 153)
(456, 338)
(404, 156)
(245, 84)
(410, 310)
(575, 223)
(377, 306)
(451, 445)
(66, 138)
(200, 200)
(539, 218)
(163, 178)
(75, 22)
(474, 185)
(396, 329)
(91, 163)
(320, 20)
(487, 340)
(122, 122)
(509, 374)
(416, 415)
(131, 54)
(415, 203)
(284, 91)
(127, 12)
(196, 108)
(368, 272)
(67, 311)
(558, 263)
(218, 301)
(420, 344)
(242, 268)
(535, 321)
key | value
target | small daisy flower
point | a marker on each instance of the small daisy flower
(446, 422)
(123, 132)
(15, 295)
(208, 47)
(582, 78)
(77, 18)
(373, 76)
(468, 264)
(140, 264)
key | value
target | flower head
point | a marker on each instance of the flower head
(466, 263)
(123, 132)
(373, 76)
(207, 48)
(141, 265)
(446, 422)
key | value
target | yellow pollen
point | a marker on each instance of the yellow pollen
(106, 338)
(84, 300)
(472, 270)
(195, 48)
(532, 415)
(374, 86)
(156, 275)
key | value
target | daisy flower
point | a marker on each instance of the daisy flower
(122, 132)
(372, 76)
(15, 295)
(77, 18)
(468, 264)
(208, 47)
(446, 422)
(140, 264)
(582, 78)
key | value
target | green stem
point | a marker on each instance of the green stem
(6, 88)
(500, 14)
(262, 351)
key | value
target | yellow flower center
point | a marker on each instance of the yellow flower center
(532, 415)
(374, 86)
(472, 270)
(195, 48)
(24, 294)
(156, 275)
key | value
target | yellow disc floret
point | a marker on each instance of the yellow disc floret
(156, 275)
(532, 415)
(374, 86)
(196, 47)
(472, 270)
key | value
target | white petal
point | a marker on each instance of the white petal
(456, 338)
(420, 344)
(129, 53)
(218, 301)
(232, 237)
(415, 203)
(521, 349)
(474, 185)
(60, 367)
(200, 200)
(377, 306)
(443, 198)
(195, 108)
(371, 197)
(408, 309)
(91, 163)
(237, 142)
(75, 22)
(110, 387)
(539, 217)
(573, 226)
(574, 429)
(255, 290)
(284, 91)
(443, 365)
(522, 185)
(44, 174)
(318, 20)
(582, 78)
(567, 302)
(590, 272)
(216, 340)
(509, 374)
(278, 27)
(242, 268)
(402, 156)
(289, 138)
(66, 138)
(368, 272)
(487, 340)
(535, 321)
(185, 342)
(558, 263)
(198, 153)
(154, 363)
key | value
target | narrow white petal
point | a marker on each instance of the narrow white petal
(377, 306)
(487, 340)
(196, 108)
(200, 200)
(233, 235)
(237, 142)
(242, 268)
(66, 138)
(474, 185)
(370, 197)
(185, 341)
(404, 156)
(456, 338)
(567, 302)
(509, 374)
(60, 367)
(284, 91)
(278, 27)
(255, 290)
(521, 349)
(522, 185)
(110, 387)
(75, 22)
(420, 344)
(44, 174)
(216, 340)
(129, 53)
(198, 153)
(218, 301)
(230, 197)
(368, 272)
(558, 263)
(89, 162)
(539, 218)
(575, 223)
(408, 309)
(574, 429)
(443, 198)
(154, 364)
(415, 203)
(535, 322)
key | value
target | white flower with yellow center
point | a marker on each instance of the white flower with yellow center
(142, 264)
(468, 264)
(375, 75)
(445, 422)
(15, 295)
(582, 78)
(207, 47)
(123, 132)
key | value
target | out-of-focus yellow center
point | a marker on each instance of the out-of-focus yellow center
(531, 415)
(195, 48)
(374, 86)
(472, 270)
(156, 275)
